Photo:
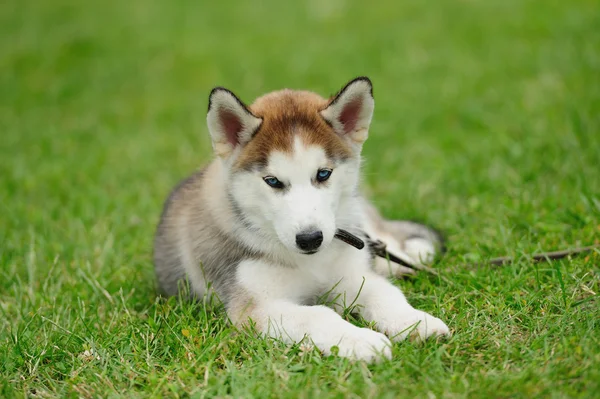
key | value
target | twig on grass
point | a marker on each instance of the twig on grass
(543, 256)
(379, 248)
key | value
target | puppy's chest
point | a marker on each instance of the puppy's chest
(322, 274)
(299, 284)
(308, 278)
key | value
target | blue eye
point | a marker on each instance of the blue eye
(323, 174)
(273, 182)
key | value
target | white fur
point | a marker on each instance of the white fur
(282, 215)
(420, 249)
(383, 266)
(416, 251)
(282, 289)
(324, 328)
(345, 272)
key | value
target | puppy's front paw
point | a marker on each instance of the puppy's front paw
(364, 344)
(417, 325)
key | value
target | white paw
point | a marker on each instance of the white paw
(417, 325)
(420, 249)
(363, 344)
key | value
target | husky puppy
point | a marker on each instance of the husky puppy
(256, 226)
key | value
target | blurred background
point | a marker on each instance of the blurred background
(486, 121)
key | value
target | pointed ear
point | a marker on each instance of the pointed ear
(351, 110)
(230, 122)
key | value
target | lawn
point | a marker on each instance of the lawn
(487, 125)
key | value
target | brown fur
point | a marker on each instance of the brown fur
(285, 114)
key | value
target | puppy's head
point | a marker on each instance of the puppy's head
(292, 158)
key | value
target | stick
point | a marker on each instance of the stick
(349, 238)
(379, 249)
(505, 260)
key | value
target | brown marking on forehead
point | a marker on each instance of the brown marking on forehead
(286, 114)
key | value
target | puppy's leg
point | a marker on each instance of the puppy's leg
(386, 268)
(383, 303)
(275, 313)
(320, 325)
(420, 242)
(417, 241)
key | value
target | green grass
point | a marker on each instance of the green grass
(487, 125)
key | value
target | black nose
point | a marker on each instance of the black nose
(309, 241)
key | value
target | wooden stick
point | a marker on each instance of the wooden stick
(349, 238)
(505, 260)
(379, 249)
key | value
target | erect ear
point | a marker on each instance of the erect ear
(230, 122)
(351, 110)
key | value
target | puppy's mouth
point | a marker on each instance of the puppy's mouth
(314, 251)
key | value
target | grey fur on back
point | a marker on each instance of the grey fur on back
(187, 228)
